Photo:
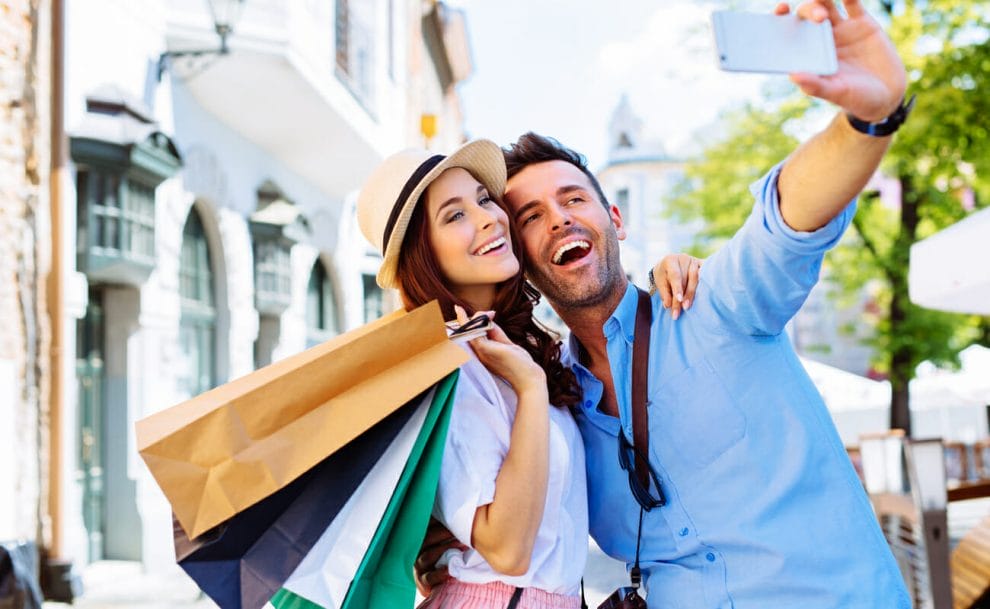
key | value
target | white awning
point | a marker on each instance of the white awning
(950, 271)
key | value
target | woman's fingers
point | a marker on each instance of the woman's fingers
(461, 314)
(666, 297)
(437, 541)
(497, 334)
(427, 581)
(693, 275)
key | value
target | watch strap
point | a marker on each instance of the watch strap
(888, 125)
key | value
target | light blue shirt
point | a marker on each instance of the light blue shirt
(764, 509)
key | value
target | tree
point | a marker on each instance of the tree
(941, 154)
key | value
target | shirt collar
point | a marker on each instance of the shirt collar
(622, 321)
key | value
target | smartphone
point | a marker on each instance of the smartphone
(758, 42)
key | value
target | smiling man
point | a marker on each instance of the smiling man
(762, 507)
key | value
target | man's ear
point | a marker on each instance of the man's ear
(616, 217)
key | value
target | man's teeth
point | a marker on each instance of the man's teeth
(494, 244)
(568, 247)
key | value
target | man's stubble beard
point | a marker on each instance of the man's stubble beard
(564, 296)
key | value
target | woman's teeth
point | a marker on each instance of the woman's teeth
(493, 245)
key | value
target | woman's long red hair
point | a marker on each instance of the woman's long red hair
(421, 280)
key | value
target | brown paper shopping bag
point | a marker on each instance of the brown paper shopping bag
(224, 450)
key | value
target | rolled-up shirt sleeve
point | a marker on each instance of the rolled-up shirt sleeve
(763, 275)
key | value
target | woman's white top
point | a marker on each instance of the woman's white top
(477, 443)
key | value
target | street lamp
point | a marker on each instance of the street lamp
(225, 14)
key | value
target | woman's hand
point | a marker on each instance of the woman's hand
(676, 276)
(438, 540)
(506, 359)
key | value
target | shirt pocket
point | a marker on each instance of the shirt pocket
(695, 416)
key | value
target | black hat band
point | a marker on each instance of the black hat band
(410, 185)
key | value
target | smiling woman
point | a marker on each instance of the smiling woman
(445, 235)
(470, 236)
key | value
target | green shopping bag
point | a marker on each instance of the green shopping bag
(384, 577)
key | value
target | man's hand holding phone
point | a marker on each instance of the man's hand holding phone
(869, 78)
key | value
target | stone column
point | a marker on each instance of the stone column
(24, 264)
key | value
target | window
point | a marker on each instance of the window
(342, 36)
(622, 202)
(116, 180)
(275, 227)
(354, 49)
(115, 238)
(321, 312)
(272, 276)
(139, 220)
(99, 199)
(374, 299)
(197, 324)
(116, 217)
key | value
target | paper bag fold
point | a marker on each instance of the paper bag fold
(226, 449)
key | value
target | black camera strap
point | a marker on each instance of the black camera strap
(516, 595)
(640, 417)
(641, 360)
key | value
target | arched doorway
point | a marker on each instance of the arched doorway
(198, 320)
(321, 306)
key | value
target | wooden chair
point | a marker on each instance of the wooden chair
(856, 458)
(956, 462)
(981, 458)
(970, 565)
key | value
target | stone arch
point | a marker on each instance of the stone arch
(210, 223)
(330, 268)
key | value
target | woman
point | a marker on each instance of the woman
(512, 483)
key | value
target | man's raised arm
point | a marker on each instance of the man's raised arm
(824, 174)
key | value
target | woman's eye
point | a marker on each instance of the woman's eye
(485, 200)
(457, 215)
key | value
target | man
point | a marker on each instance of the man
(763, 508)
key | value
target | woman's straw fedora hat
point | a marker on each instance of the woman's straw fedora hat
(389, 196)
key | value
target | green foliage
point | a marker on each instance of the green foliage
(716, 187)
(943, 150)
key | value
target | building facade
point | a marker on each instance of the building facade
(208, 223)
(639, 177)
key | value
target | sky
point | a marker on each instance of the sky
(560, 67)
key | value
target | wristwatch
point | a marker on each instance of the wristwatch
(888, 125)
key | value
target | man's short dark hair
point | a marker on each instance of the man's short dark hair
(533, 148)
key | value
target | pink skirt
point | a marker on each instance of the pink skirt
(455, 594)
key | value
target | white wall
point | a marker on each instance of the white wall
(9, 395)
(650, 234)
